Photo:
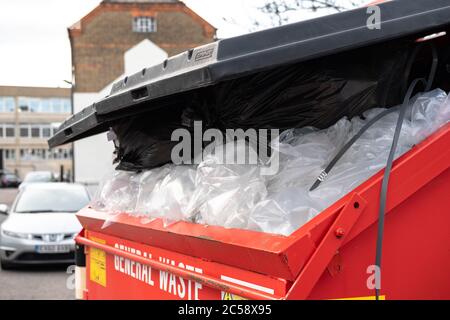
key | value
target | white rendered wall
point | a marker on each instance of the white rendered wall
(93, 156)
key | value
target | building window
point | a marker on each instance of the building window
(47, 105)
(34, 105)
(24, 131)
(41, 130)
(7, 104)
(23, 104)
(46, 132)
(10, 154)
(9, 131)
(56, 105)
(66, 106)
(24, 154)
(144, 24)
(35, 131)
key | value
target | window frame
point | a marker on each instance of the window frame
(58, 105)
(38, 127)
(27, 127)
(7, 126)
(7, 104)
(144, 24)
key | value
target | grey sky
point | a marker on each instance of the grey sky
(35, 48)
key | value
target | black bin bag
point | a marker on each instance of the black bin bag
(315, 93)
(143, 144)
(144, 140)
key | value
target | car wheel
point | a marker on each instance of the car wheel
(6, 265)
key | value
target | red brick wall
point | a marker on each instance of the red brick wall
(106, 33)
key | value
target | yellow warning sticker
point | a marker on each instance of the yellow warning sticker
(97, 265)
(230, 296)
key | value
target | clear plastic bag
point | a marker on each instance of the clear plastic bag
(429, 112)
(225, 193)
(170, 195)
(282, 212)
(237, 195)
(117, 193)
(304, 154)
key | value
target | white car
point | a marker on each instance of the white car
(36, 177)
(41, 224)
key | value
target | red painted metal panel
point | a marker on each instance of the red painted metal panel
(169, 275)
(416, 251)
(249, 250)
(327, 248)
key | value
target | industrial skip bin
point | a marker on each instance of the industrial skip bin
(330, 257)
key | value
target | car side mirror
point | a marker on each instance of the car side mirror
(4, 209)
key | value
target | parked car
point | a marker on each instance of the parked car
(41, 225)
(38, 176)
(8, 180)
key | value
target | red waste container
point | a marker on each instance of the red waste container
(327, 258)
(331, 256)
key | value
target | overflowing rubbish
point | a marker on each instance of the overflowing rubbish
(239, 196)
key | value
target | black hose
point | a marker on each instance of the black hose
(387, 172)
(347, 146)
(384, 187)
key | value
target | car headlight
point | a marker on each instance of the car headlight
(19, 235)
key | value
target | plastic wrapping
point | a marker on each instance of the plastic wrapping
(289, 203)
(117, 193)
(172, 190)
(238, 196)
(225, 193)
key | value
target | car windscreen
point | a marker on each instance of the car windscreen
(39, 177)
(51, 200)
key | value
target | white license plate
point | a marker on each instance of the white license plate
(53, 248)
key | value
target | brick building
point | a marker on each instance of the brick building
(28, 117)
(118, 38)
(100, 39)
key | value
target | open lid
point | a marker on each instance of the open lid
(240, 56)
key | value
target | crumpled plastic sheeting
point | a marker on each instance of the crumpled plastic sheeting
(117, 193)
(303, 156)
(169, 198)
(238, 196)
(225, 193)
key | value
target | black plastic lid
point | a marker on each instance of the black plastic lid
(239, 56)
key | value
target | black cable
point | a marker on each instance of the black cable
(384, 185)
(347, 146)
